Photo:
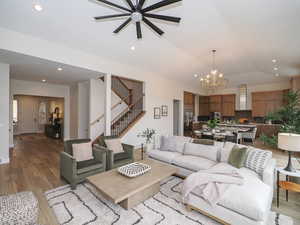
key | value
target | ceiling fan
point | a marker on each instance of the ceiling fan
(137, 14)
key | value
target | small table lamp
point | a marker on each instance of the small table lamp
(291, 143)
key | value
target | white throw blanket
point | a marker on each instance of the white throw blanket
(212, 183)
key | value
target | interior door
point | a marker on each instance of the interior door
(28, 115)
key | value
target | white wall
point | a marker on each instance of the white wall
(97, 102)
(83, 109)
(19, 87)
(255, 88)
(4, 113)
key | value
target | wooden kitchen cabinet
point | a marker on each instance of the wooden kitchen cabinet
(266, 102)
(189, 102)
(228, 105)
(203, 106)
(215, 103)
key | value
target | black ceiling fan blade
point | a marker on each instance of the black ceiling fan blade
(140, 4)
(159, 5)
(130, 4)
(138, 30)
(161, 17)
(154, 27)
(122, 25)
(111, 16)
(114, 5)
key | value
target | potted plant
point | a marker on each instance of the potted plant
(212, 124)
(148, 136)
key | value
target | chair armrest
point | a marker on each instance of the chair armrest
(109, 154)
(269, 173)
(128, 149)
(100, 156)
(68, 166)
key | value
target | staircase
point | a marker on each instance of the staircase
(122, 123)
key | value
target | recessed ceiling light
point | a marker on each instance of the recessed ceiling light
(59, 69)
(275, 68)
(44, 81)
(132, 48)
(274, 60)
(196, 75)
(38, 7)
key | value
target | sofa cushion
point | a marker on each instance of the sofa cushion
(174, 143)
(252, 199)
(257, 160)
(87, 166)
(206, 151)
(167, 143)
(180, 142)
(164, 156)
(193, 163)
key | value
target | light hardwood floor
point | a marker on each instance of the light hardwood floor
(35, 167)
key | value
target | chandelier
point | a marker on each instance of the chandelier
(214, 80)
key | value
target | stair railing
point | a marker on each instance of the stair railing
(120, 88)
(126, 117)
(112, 108)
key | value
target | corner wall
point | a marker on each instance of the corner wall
(4, 113)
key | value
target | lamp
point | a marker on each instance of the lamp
(291, 143)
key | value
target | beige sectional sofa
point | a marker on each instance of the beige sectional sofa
(247, 204)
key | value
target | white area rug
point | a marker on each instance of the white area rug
(86, 206)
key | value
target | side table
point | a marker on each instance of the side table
(287, 185)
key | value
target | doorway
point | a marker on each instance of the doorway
(38, 115)
(176, 117)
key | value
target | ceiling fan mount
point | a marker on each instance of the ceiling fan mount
(137, 14)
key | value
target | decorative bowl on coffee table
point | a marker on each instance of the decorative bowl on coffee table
(134, 169)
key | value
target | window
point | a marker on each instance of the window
(15, 111)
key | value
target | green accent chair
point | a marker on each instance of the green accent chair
(118, 159)
(75, 172)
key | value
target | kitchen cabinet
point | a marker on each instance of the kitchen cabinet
(228, 105)
(266, 102)
(203, 106)
(215, 103)
(189, 102)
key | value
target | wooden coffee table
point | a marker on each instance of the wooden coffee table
(129, 192)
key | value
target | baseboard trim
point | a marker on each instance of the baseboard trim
(4, 161)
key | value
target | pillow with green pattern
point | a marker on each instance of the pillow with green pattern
(237, 156)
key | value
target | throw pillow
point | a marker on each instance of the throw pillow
(205, 151)
(114, 144)
(179, 143)
(167, 143)
(257, 160)
(237, 156)
(204, 141)
(226, 150)
(83, 151)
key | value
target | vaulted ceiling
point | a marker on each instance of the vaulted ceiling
(247, 35)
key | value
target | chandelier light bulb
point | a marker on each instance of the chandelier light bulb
(221, 75)
(207, 76)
